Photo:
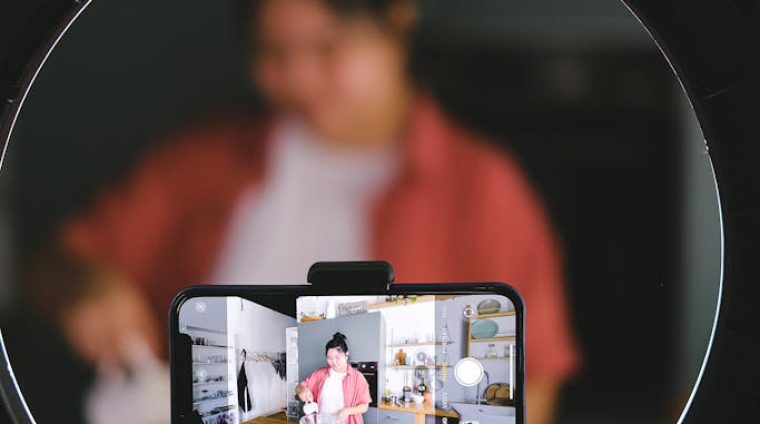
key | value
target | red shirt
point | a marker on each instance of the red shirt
(460, 210)
(355, 389)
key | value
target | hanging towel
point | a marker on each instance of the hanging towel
(279, 362)
(244, 398)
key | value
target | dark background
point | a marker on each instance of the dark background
(577, 91)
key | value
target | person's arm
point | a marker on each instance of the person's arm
(93, 305)
(304, 393)
(352, 410)
(118, 240)
(541, 400)
(305, 389)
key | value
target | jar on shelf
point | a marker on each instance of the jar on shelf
(491, 352)
(400, 357)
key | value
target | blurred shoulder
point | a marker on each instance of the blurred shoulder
(482, 162)
(211, 140)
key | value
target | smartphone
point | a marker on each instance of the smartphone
(348, 354)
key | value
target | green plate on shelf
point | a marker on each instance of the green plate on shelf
(484, 329)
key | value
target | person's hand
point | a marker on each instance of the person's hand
(104, 324)
(343, 415)
(306, 395)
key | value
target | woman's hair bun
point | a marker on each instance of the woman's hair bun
(338, 341)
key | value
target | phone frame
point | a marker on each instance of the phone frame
(251, 292)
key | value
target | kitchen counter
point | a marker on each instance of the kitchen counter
(425, 408)
(278, 418)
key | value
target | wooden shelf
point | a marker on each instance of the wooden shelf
(469, 341)
(209, 400)
(494, 339)
(419, 344)
(494, 315)
(208, 383)
(232, 408)
(214, 346)
(411, 367)
(407, 302)
(402, 302)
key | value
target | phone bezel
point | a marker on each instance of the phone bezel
(250, 292)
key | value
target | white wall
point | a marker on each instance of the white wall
(205, 312)
(259, 329)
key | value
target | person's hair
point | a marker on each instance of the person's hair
(338, 341)
(377, 9)
(381, 11)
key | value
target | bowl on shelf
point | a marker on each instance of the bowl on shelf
(489, 306)
(484, 329)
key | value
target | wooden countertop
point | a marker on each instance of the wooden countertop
(426, 408)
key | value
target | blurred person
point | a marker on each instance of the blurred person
(352, 161)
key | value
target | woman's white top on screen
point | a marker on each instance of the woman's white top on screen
(331, 395)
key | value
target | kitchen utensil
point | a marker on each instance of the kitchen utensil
(489, 306)
(484, 329)
(311, 419)
(421, 373)
(310, 408)
(420, 355)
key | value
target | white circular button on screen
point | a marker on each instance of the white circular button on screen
(468, 371)
(200, 306)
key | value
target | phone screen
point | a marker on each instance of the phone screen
(375, 359)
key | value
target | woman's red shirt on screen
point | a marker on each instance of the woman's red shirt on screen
(355, 389)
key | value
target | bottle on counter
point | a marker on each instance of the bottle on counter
(421, 387)
(407, 392)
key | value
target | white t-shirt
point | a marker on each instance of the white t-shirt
(312, 206)
(331, 395)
